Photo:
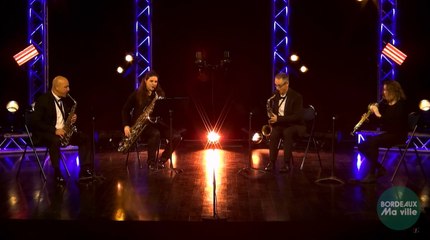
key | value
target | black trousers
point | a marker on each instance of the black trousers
(153, 133)
(52, 142)
(370, 147)
(288, 134)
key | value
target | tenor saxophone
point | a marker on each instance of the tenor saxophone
(138, 126)
(266, 130)
(69, 126)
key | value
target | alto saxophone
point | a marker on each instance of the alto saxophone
(266, 130)
(364, 118)
(69, 126)
(137, 127)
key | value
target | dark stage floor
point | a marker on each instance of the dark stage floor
(129, 201)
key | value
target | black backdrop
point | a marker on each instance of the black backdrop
(336, 39)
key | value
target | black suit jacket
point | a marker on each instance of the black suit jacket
(293, 111)
(44, 117)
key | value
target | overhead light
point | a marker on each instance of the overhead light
(424, 105)
(294, 58)
(120, 70)
(129, 58)
(12, 106)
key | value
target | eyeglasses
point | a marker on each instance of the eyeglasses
(277, 86)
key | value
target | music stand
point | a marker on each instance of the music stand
(246, 171)
(160, 107)
(332, 178)
(94, 177)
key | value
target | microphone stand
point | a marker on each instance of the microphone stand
(246, 171)
(332, 178)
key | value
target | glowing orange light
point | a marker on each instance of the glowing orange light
(213, 137)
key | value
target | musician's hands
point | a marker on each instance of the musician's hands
(273, 118)
(60, 132)
(127, 131)
(374, 108)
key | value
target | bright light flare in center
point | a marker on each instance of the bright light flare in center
(213, 137)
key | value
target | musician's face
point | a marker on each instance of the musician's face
(387, 94)
(151, 83)
(61, 87)
(281, 85)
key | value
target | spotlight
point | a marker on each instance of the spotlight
(213, 137)
(120, 70)
(12, 106)
(303, 69)
(129, 58)
(294, 58)
(424, 105)
(257, 138)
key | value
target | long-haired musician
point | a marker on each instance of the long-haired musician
(135, 106)
(392, 116)
(286, 121)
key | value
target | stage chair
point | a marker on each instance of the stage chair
(138, 152)
(403, 147)
(309, 115)
(33, 146)
(30, 144)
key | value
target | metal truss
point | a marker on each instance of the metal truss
(38, 36)
(143, 39)
(280, 36)
(387, 34)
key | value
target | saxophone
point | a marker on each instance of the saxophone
(363, 118)
(137, 127)
(69, 127)
(266, 130)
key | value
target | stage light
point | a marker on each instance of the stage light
(303, 69)
(120, 70)
(257, 138)
(294, 58)
(12, 106)
(213, 137)
(129, 58)
(424, 105)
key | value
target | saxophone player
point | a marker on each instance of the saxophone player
(51, 110)
(286, 121)
(392, 116)
(135, 106)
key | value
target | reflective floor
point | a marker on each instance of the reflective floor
(187, 200)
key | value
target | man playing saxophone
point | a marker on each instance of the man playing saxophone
(286, 121)
(136, 105)
(392, 117)
(52, 111)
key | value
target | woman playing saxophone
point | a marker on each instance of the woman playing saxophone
(137, 104)
(392, 117)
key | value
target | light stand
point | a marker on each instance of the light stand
(215, 216)
(332, 178)
(246, 171)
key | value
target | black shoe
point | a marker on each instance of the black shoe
(152, 167)
(284, 169)
(163, 160)
(270, 167)
(85, 174)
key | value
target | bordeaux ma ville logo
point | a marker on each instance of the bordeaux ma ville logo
(398, 208)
